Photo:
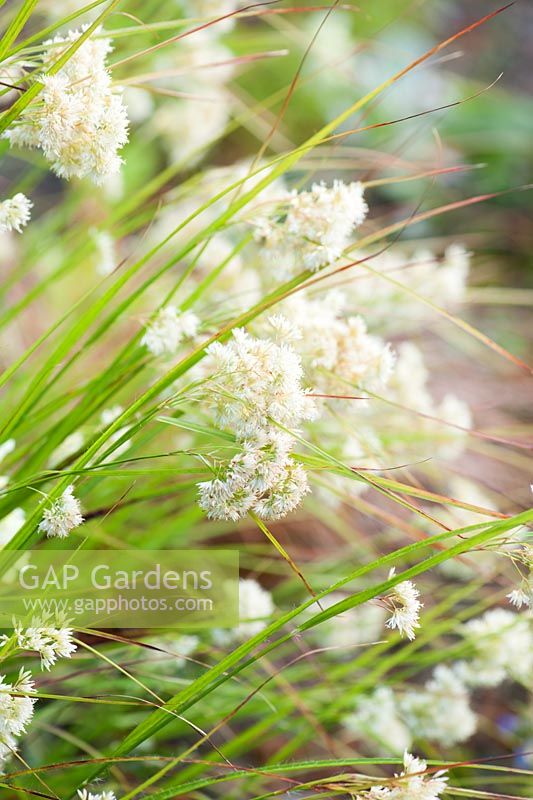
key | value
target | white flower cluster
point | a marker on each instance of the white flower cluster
(346, 362)
(377, 717)
(169, 329)
(62, 516)
(405, 606)
(337, 348)
(362, 359)
(263, 477)
(49, 641)
(440, 711)
(85, 794)
(523, 594)
(502, 642)
(79, 120)
(310, 229)
(15, 213)
(255, 385)
(411, 784)
(15, 711)
(17, 699)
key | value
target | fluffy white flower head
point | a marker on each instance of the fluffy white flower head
(362, 358)
(62, 516)
(262, 477)
(376, 717)
(411, 784)
(522, 596)
(314, 229)
(441, 711)
(85, 794)
(169, 329)
(15, 213)
(256, 382)
(79, 120)
(50, 641)
(503, 648)
(15, 712)
(405, 606)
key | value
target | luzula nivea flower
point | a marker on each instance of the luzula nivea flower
(362, 359)
(255, 383)
(263, 478)
(377, 717)
(49, 641)
(411, 784)
(523, 594)
(15, 213)
(62, 516)
(312, 228)
(405, 606)
(284, 494)
(85, 794)
(336, 348)
(169, 329)
(503, 648)
(441, 710)
(15, 711)
(79, 120)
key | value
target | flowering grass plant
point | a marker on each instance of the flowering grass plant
(228, 307)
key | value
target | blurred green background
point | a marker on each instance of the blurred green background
(361, 44)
